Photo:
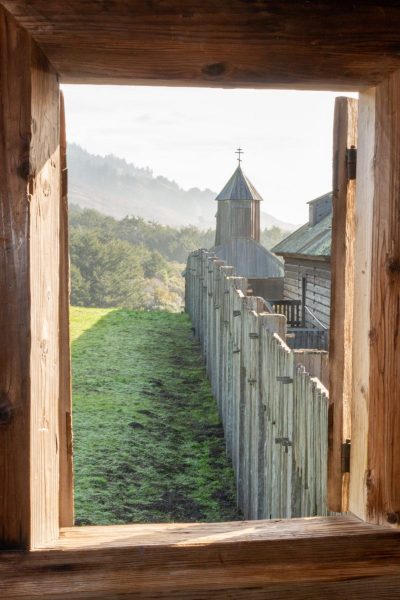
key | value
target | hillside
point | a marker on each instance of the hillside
(116, 188)
(148, 444)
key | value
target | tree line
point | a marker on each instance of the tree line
(133, 263)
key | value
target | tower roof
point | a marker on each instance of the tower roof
(239, 188)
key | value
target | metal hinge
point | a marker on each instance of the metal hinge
(351, 162)
(285, 379)
(346, 450)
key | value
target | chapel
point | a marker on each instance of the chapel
(237, 236)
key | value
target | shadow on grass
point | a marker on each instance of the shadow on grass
(148, 445)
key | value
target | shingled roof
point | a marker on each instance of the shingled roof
(309, 240)
(239, 188)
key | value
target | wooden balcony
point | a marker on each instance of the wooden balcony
(292, 310)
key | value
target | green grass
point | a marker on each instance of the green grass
(148, 445)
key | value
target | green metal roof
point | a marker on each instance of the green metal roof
(239, 188)
(308, 240)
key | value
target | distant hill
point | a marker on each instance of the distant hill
(117, 188)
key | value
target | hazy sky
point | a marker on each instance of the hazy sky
(190, 135)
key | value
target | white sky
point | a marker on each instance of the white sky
(190, 135)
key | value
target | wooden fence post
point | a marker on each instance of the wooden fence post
(237, 388)
(274, 415)
(225, 356)
(233, 285)
(253, 402)
(249, 305)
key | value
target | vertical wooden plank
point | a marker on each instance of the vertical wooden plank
(342, 261)
(238, 303)
(29, 268)
(297, 446)
(44, 263)
(65, 415)
(255, 434)
(225, 273)
(362, 302)
(289, 367)
(245, 430)
(15, 131)
(383, 474)
(233, 366)
(381, 478)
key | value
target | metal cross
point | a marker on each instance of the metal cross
(239, 151)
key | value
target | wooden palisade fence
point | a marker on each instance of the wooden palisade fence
(275, 414)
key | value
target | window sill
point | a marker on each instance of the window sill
(299, 558)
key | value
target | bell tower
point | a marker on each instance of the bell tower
(238, 212)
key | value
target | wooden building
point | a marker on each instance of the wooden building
(237, 237)
(307, 270)
(264, 44)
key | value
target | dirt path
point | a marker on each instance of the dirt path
(147, 440)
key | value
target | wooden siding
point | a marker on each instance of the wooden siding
(255, 220)
(269, 288)
(319, 208)
(237, 219)
(318, 289)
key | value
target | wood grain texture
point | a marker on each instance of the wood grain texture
(229, 43)
(342, 291)
(318, 297)
(315, 362)
(297, 558)
(15, 131)
(66, 506)
(362, 302)
(375, 471)
(383, 470)
(29, 188)
(44, 260)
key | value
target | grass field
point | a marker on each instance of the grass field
(148, 444)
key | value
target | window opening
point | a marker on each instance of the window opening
(133, 354)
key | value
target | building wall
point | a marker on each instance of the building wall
(318, 287)
(237, 219)
(269, 288)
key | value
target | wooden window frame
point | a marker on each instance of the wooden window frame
(302, 558)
